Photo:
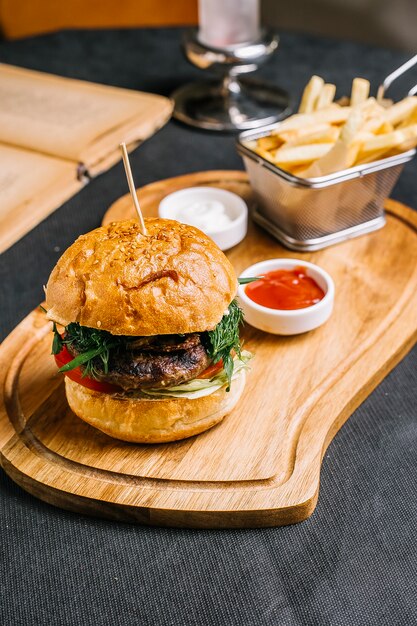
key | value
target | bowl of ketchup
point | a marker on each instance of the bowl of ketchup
(289, 297)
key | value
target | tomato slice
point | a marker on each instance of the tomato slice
(212, 370)
(76, 375)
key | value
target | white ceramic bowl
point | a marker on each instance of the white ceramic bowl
(284, 322)
(236, 209)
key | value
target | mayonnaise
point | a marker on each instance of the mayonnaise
(207, 215)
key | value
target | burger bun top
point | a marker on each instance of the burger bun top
(175, 280)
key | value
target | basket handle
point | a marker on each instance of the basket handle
(394, 75)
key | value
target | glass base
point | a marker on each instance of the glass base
(230, 104)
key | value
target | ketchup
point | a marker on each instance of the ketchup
(285, 289)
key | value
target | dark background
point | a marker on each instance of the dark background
(354, 561)
(390, 23)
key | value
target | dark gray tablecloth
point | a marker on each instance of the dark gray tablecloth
(354, 561)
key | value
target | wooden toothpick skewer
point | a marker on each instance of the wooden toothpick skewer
(132, 188)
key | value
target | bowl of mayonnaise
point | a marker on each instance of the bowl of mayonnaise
(221, 214)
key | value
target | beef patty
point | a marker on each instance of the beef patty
(159, 361)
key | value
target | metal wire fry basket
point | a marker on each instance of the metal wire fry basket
(308, 214)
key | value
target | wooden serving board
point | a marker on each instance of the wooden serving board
(261, 465)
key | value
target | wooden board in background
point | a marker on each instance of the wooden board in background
(261, 465)
(69, 133)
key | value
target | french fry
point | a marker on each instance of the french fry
(294, 122)
(326, 96)
(388, 141)
(344, 101)
(408, 144)
(401, 110)
(377, 124)
(370, 108)
(353, 125)
(333, 114)
(360, 91)
(301, 154)
(299, 133)
(411, 119)
(327, 135)
(388, 149)
(271, 142)
(294, 169)
(289, 135)
(386, 127)
(345, 150)
(298, 170)
(363, 136)
(375, 156)
(386, 103)
(311, 94)
(265, 154)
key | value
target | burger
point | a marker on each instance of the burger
(146, 330)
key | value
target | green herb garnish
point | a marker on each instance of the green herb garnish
(225, 338)
(92, 343)
(250, 279)
(57, 342)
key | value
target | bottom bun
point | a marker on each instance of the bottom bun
(143, 420)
